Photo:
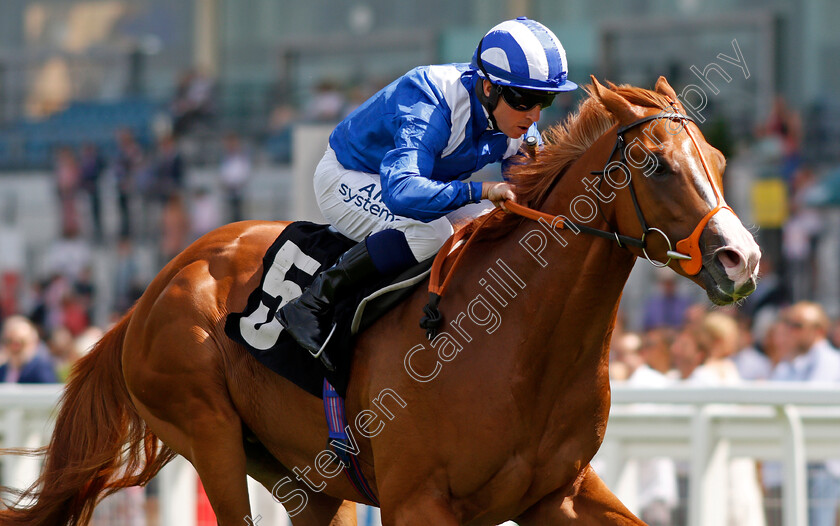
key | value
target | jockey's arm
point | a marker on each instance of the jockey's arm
(410, 194)
(405, 172)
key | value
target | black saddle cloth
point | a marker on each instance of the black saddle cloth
(298, 254)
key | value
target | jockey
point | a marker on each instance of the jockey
(395, 166)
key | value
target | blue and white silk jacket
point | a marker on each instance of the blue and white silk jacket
(424, 134)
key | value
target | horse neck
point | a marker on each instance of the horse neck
(574, 299)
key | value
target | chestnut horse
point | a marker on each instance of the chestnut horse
(495, 419)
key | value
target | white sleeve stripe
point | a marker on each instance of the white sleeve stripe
(448, 80)
(513, 147)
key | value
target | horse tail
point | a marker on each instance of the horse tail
(99, 445)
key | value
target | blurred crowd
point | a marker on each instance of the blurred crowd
(155, 210)
(692, 344)
(785, 196)
(135, 203)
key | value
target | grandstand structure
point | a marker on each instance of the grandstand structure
(122, 60)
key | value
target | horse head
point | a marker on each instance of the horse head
(673, 202)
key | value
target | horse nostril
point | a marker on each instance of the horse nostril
(729, 259)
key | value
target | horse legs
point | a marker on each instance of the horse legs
(211, 439)
(316, 510)
(593, 504)
(219, 459)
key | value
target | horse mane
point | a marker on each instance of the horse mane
(565, 143)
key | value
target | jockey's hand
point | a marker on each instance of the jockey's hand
(498, 193)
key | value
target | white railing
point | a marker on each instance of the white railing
(26, 420)
(27, 416)
(708, 426)
(792, 423)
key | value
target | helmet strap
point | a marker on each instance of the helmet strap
(489, 102)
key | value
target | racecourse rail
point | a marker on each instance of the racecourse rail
(705, 426)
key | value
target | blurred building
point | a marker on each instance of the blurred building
(124, 58)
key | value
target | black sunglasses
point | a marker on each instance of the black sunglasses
(524, 99)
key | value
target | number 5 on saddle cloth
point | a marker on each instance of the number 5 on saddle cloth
(301, 251)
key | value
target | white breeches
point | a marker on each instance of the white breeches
(352, 202)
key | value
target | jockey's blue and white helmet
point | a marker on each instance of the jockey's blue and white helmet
(524, 54)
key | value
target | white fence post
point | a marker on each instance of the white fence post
(12, 437)
(708, 480)
(794, 488)
(179, 493)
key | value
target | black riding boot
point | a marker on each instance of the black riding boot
(309, 318)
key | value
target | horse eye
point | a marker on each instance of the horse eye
(661, 167)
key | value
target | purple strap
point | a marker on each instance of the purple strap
(336, 423)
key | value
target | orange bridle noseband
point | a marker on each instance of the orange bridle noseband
(691, 244)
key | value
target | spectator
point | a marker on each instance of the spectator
(800, 236)
(784, 126)
(813, 360)
(169, 169)
(205, 214)
(85, 291)
(686, 353)
(656, 356)
(834, 334)
(126, 165)
(666, 308)
(158, 182)
(67, 177)
(174, 229)
(764, 305)
(36, 308)
(57, 288)
(752, 364)
(777, 345)
(626, 359)
(127, 286)
(63, 352)
(69, 256)
(327, 104)
(717, 341)
(281, 118)
(25, 365)
(92, 166)
(235, 172)
(694, 315)
(193, 102)
(74, 316)
(12, 266)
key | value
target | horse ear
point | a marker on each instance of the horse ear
(615, 103)
(663, 88)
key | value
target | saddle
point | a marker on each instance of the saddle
(298, 254)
